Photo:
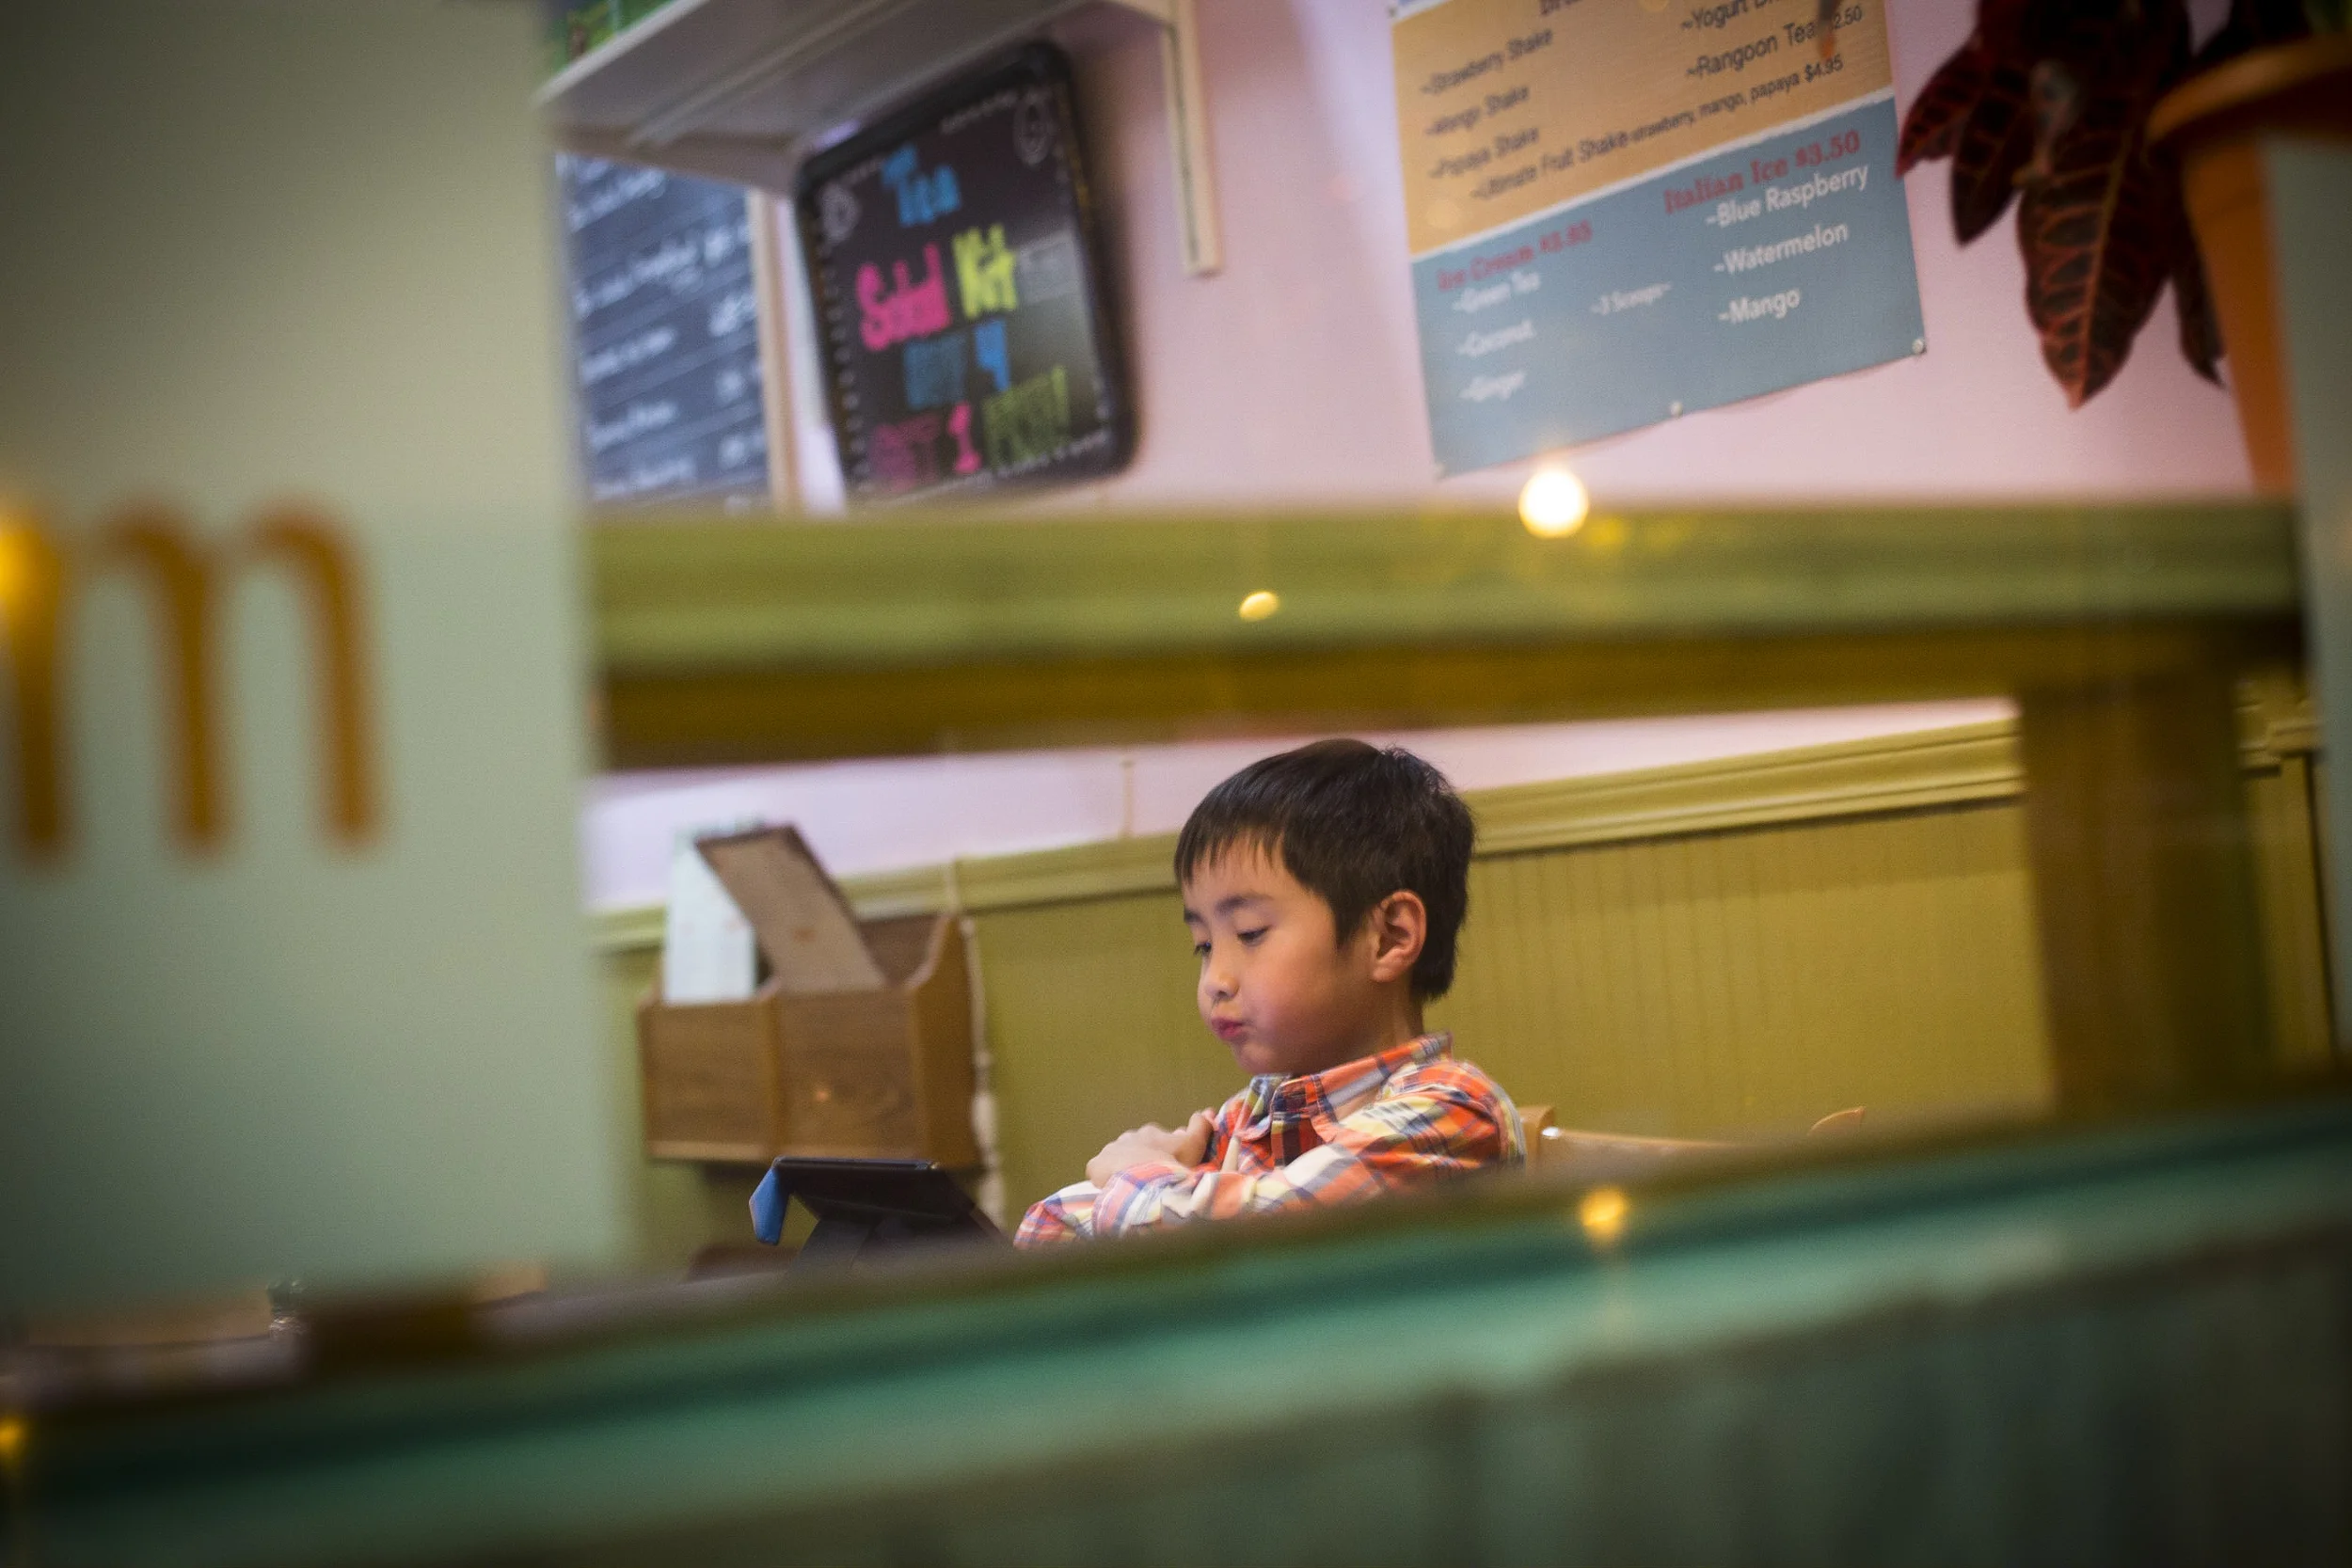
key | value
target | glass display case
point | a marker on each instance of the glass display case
(2124, 1279)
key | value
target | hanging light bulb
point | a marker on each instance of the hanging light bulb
(1554, 504)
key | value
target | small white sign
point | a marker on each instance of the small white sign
(708, 953)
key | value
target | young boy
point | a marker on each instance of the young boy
(1324, 888)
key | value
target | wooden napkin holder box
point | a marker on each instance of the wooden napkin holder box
(878, 1072)
(865, 1054)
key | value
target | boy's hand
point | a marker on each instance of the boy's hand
(1149, 1145)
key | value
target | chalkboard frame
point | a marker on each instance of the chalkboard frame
(1036, 64)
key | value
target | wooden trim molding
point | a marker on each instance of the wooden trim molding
(735, 643)
(1897, 772)
(915, 890)
(1111, 869)
(625, 929)
(939, 593)
(1921, 769)
(875, 895)
(1956, 765)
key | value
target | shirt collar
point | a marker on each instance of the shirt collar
(1336, 1091)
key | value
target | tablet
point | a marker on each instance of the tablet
(867, 1205)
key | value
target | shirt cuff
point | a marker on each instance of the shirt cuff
(1067, 1215)
(1125, 1199)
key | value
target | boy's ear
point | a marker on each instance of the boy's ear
(1400, 928)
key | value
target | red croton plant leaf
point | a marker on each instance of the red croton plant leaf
(1932, 128)
(2048, 102)
(2099, 219)
(2201, 328)
(1995, 144)
(2098, 231)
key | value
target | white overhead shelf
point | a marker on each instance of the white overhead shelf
(743, 90)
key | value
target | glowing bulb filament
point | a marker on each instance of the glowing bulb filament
(1554, 504)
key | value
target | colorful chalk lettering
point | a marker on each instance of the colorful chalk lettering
(910, 309)
(989, 348)
(1029, 423)
(984, 272)
(924, 195)
(960, 427)
(905, 455)
(934, 371)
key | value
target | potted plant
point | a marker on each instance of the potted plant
(2085, 112)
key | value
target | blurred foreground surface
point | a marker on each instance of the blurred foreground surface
(2079, 1346)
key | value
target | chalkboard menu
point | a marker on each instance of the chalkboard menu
(665, 336)
(952, 256)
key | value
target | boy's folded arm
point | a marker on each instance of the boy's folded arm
(1397, 1141)
(1069, 1214)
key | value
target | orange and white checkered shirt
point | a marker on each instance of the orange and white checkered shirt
(1409, 1116)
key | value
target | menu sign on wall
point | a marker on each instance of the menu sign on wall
(1622, 211)
(951, 255)
(665, 336)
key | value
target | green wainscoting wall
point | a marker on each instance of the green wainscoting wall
(1723, 949)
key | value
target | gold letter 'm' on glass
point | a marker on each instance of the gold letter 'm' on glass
(184, 576)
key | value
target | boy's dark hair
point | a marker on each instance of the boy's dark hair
(1354, 824)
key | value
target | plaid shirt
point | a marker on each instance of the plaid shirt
(1410, 1115)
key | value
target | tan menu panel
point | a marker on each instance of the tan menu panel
(1506, 108)
(1629, 211)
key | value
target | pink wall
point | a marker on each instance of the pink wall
(1294, 375)
(1295, 372)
